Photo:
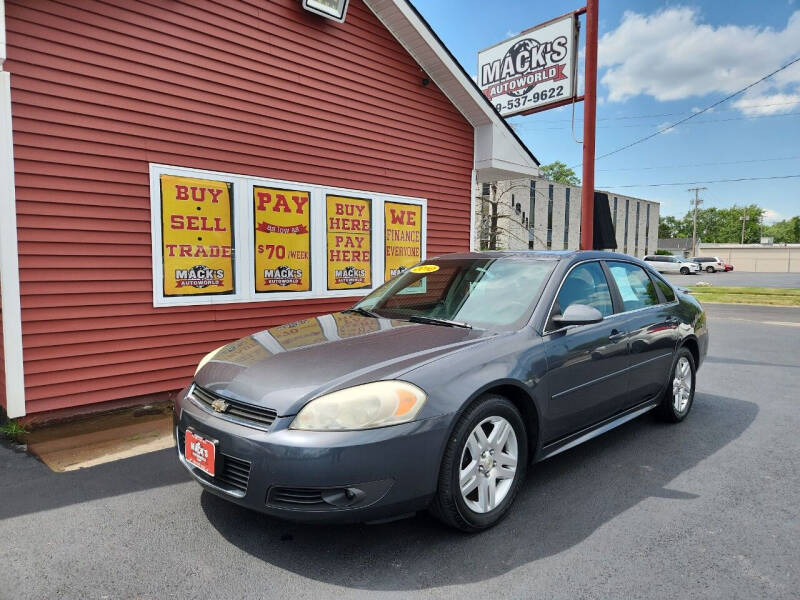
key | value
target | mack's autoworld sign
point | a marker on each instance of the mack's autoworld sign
(533, 69)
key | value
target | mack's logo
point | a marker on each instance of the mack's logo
(219, 406)
(199, 276)
(526, 64)
(350, 275)
(283, 276)
(397, 271)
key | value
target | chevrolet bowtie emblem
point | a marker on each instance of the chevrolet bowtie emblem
(219, 406)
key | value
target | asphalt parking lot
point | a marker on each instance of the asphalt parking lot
(739, 279)
(709, 508)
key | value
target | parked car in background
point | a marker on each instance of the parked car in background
(728, 267)
(710, 264)
(441, 387)
(671, 264)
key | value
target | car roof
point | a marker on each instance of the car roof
(536, 255)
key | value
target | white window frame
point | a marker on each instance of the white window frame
(244, 237)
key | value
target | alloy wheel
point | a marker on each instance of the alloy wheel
(682, 385)
(488, 464)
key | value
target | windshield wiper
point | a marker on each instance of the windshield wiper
(362, 311)
(435, 321)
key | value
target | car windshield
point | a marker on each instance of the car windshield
(486, 293)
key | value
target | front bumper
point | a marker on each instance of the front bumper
(319, 476)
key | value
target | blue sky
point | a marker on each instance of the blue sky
(660, 61)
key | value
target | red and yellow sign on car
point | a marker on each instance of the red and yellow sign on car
(402, 237)
(282, 240)
(349, 249)
(197, 236)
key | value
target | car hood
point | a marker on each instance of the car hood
(284, 367)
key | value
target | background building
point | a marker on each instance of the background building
(535, 213)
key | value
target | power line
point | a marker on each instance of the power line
(670, 114)
(708, 164)
(700, 112)
(789, 114)
(697, 182)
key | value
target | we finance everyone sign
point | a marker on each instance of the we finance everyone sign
(197, 236)
(403, 237)
(533, 69)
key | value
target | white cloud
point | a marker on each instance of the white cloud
(672, 54)
(662, 126)
(768, 104)
(771, 216)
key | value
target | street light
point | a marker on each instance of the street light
(330, 9)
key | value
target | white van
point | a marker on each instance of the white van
(672, 264)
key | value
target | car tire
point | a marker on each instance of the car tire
(679, 396)
(710, 270)
(469, 511)
(684, 270)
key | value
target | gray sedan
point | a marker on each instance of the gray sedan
(439, 389)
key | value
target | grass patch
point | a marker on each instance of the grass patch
(748, 295)
(12, 430)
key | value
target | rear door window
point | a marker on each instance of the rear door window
(635, 286)
(666, 290)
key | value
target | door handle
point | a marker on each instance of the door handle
(616, 335)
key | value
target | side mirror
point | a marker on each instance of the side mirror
(578, 314)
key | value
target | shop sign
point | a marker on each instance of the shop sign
(282, 240)
(402, 237)
(197, 236)
(532, 69)
(349, 242)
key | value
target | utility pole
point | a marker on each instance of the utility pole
(589, 114)
(744, 219)
(696, 202)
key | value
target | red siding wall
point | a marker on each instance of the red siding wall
(256, 87)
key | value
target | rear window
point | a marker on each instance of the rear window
(666, 289)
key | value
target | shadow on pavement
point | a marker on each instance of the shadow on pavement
(564, 500)
(29, 486)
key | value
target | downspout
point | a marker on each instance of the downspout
(9, 259)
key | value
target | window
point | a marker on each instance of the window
(566, 220)
(550, 217)
(585, 284)
(627, 208)
(636, 234)
(223, 238)
(491, 293)
(666, 289)
(647, 230)
(615, 214)
(485, 189)
(532, 211)
(634, 285)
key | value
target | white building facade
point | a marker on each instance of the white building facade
(539, 214)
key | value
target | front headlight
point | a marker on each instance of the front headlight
(367, 406)
(207, 358)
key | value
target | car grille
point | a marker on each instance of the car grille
(240, 412)
(233, 472)
(296, 497)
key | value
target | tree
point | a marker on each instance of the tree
(669, 227)
(784, 232)
(560, 172)
(494, 222)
